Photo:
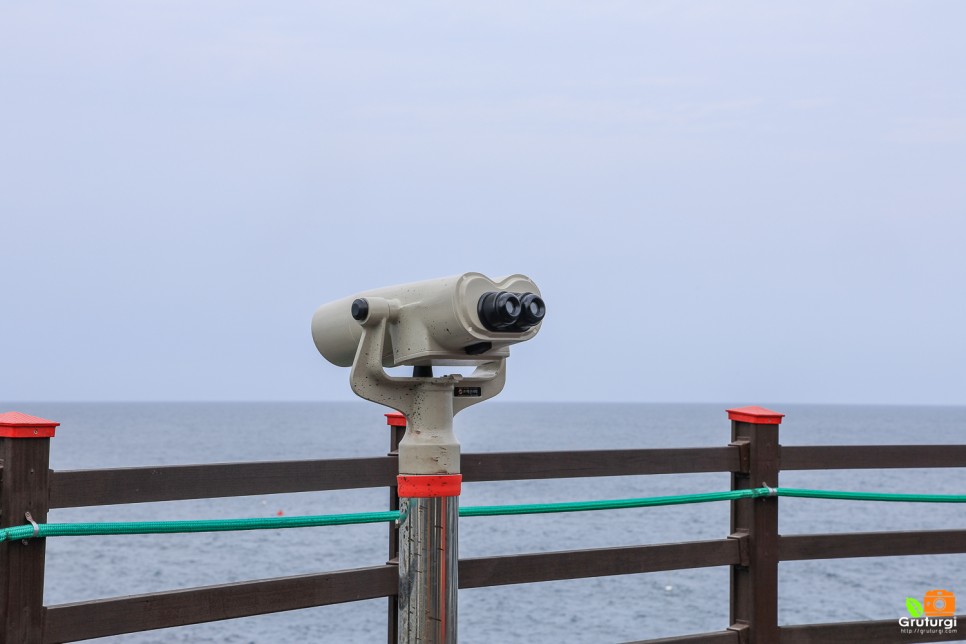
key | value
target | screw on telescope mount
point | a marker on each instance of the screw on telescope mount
(423, 371)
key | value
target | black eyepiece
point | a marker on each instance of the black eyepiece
(499, 310)
(532, 311)
(360, 310)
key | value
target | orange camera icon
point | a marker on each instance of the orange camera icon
(939, 603)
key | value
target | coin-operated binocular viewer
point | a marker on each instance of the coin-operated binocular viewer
(463, 320)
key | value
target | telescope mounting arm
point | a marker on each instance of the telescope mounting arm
(429, 404)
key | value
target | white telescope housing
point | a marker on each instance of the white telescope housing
(446, 321)
(464, 319)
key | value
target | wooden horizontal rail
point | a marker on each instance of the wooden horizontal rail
(178, 482)
(80, 488)
(870, 544)
(886, 630)
(507, 466)
(717, 637)
(576, 564)
(857, 457)
(103, 617)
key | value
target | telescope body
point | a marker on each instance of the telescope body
(464, 319)
(434, 322)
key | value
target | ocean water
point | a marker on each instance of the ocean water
(612, 609)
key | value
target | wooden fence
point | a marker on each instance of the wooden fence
(752, 547)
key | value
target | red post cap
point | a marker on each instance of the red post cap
(13, 424)
(755, 415)
(395, 419)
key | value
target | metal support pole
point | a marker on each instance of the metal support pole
(429, 485)
(754, 523)
(428, 562)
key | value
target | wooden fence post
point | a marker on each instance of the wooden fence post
(25, 462)
(397, 428)
(754, 522)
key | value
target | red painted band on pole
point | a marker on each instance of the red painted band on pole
(424, 487)
(755, 416)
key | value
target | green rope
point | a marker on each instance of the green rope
(273, 523)
(210, 525)
(614, 504)
(871, 496)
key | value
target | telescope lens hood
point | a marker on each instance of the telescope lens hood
(360, 309)
(499, 310)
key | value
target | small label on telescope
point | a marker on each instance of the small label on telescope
(467, 392)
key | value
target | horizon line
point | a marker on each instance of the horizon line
(524, 402)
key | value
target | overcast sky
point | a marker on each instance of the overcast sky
(722, 201)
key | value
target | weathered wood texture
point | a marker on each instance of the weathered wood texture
(575, 564)
(856, 457)
(23, 488)
(396, 434)
(171, 483)
(99, 618)
(717, 637)
(507, 466)
(884, 631)
(871, 544)
(754, 522)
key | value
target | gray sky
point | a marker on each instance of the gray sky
(772, 194)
